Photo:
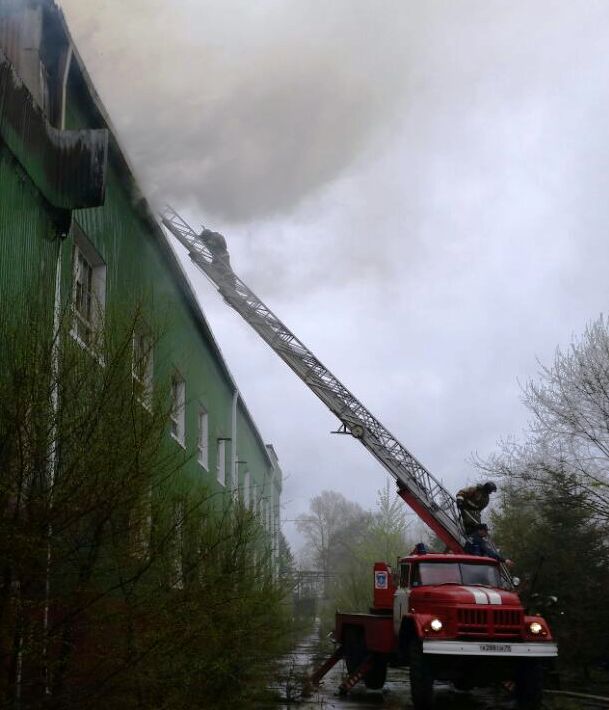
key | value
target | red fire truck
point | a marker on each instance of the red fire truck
(452, 617)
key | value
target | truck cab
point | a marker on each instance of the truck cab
(450, 617)
(454, 619)
(461, 599)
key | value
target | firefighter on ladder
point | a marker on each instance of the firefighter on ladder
(471, 502)
(216, 244)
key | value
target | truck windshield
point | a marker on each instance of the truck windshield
(458, 573)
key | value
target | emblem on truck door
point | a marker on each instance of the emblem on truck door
(381, 580)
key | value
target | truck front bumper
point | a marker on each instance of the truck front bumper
(518, 649)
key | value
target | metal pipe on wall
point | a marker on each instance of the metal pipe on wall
(233, 444)
(64, 86)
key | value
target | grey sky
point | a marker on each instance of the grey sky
(419, 190)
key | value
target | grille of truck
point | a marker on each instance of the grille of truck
(485, 623)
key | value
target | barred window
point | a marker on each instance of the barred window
(89, 290)
(143, 365)
(203, 439)
(178, 408)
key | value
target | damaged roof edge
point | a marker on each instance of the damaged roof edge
(68, 167)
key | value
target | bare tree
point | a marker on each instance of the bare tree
(346, 540)
(325, 527)
(569, 427)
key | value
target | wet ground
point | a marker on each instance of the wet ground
(394, 696)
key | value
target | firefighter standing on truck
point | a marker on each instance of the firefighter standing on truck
(472, 501)
(478, 545)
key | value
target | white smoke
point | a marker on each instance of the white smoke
(244, 108)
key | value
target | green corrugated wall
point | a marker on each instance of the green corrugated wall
(138, 272)
(28, 243)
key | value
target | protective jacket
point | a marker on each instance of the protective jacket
(474, 498)
(471, 502)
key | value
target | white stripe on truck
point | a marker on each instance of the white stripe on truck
(494, 597)
(479, 596)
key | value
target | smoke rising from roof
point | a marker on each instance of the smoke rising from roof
(244, 109)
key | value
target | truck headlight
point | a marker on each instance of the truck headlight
(436, 625)
(535, 627)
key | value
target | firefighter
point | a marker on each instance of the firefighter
(472, 501)
(419, 549)
(478, 545)
(219, 251)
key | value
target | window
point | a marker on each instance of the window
(272, 514)
(143, 366)
(177, 545)
(440, 573)
(89, 290)
(247, 489)
(487, 575)
(455, 573)
(221, 463)
(140, 526)
(178, 408)
(404, 575)
(203, 439)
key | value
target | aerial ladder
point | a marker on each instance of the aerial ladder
(422, 491)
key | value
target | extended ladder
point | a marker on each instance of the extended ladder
(416, 485)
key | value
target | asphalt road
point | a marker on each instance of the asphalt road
(394, 696)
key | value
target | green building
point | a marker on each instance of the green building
(74, 225)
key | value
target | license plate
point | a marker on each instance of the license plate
(496, 647)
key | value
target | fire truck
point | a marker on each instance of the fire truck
(449, 617)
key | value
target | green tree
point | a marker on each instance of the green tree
(560, 550)
(389, 537)
(121, 585)
(285, 560)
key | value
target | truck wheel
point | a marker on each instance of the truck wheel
(376, 676)
(355, 655)
(529, 685)
(421, 677)
(355, 648)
